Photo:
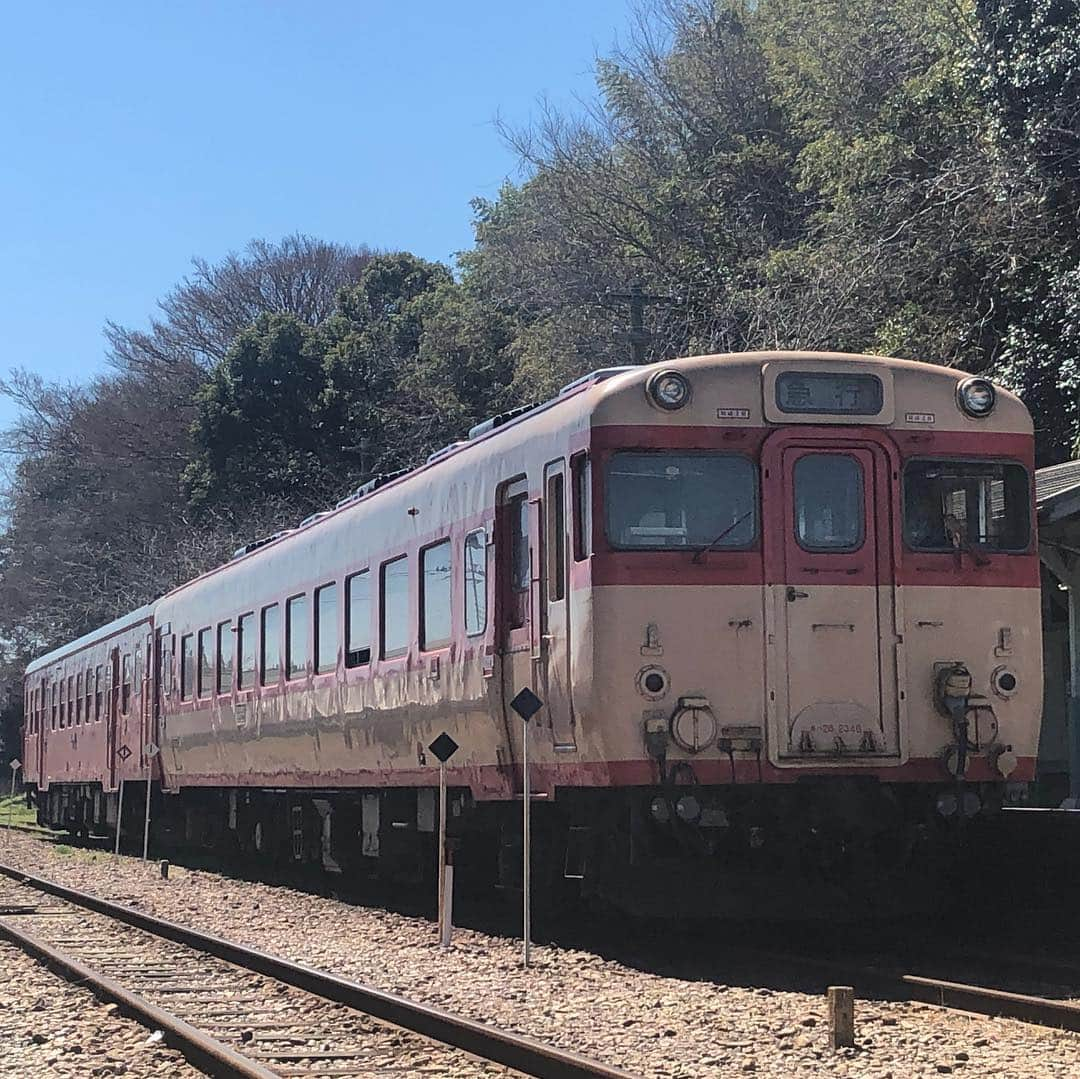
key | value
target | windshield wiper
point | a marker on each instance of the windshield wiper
(701, 551)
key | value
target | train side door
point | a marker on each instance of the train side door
(831, 662)
(555, 639)
(112, 717)
(517, 629)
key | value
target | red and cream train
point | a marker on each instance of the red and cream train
(782, 608)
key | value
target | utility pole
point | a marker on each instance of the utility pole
(639, 337)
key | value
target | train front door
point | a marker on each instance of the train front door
(832, 655)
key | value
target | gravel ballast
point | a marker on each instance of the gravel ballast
(49, 1027)
(644, 1022)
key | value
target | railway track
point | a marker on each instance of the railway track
(233, 1011)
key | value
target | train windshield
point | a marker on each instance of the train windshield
(967, 505)
(657, 501)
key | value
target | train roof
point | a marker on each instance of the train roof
(95, 636)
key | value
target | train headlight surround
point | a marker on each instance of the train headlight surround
(976, 397)
(1004, 682)
(668, 390)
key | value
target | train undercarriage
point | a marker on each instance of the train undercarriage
(820, 849)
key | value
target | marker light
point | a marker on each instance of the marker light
(976, 397)
(668, 390)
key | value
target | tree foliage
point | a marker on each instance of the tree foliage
(899, 178)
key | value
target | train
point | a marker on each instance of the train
(780, 609)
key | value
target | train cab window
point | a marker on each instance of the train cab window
(99, 690)
(224, 657)
(555, 537)
(966, 505)
(78, 699)
(662, 501)
(205, 669)
(187, 666)
(519, 543)
(829, 505)
(435, 595)
(125, 683)
(475, 570)
(326, 628)
(358, 619)
(270, 665)
(581, 472)
(394, 607)
(296, 636)
(245, 648)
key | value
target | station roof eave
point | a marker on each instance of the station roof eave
(1057, 493)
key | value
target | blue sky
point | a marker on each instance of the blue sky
(134, 136)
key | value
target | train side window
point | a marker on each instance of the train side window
(358, 619)
(581, 471)
(326, 628)
(88, 688)
(98, 690)
(519, 543)
(70, 699)
(246, 648)
(296, 636)
(224, 657)
(78, 699)
(206, 663)
(475, 572)
(187, 666)
(435, 595)
(52, 721)
(555, 537)
(394, 607)
(270, 667)
(125, 683)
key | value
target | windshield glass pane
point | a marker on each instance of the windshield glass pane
(661, 500)
(960, 505)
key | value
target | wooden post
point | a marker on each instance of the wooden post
(163, 865)
(841, 1016)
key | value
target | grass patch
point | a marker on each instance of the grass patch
(63, 848)
(15, 811)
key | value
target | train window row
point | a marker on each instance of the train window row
(312, 626)
(72, 700)
(673, 499)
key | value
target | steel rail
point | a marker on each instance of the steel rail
(487, 1042)
(206, 1053)
(941, 992)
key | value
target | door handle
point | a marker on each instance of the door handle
(793, 594)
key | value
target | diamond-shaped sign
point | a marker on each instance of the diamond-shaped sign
(526, 704)
(444, 747)
(16, 764)
(151, 750)
(123, 753)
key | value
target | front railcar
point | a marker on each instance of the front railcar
(815, 627)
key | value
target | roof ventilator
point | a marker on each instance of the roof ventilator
(492, 422)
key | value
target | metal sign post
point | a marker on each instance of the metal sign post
(151, 752)
(119, 818)
(444, 747)
(526, 704)
(15, 766)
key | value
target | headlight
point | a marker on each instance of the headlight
(668, 390)
(976, 397)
